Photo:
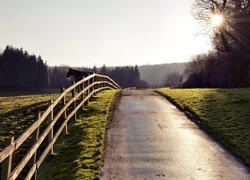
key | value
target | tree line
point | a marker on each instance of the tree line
(19, 69)
(126, 76)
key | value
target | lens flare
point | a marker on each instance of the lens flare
(217, 20)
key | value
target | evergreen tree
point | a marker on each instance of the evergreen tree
(19, 69)
(1, 71)
(104, 70)
(58, 77)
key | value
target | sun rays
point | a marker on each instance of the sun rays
(217, 20)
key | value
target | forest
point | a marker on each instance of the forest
(19, 69)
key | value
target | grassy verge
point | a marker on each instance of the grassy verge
(223, 113)
(79, 155)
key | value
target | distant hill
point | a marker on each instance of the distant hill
(154, 74)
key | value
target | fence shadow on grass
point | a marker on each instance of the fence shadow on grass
(75, 156)
(15, 122)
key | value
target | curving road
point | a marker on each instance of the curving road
(150, 139)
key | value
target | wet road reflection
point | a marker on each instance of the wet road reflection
(150, 139)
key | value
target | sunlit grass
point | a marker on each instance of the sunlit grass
(224, 113)
(79, 155)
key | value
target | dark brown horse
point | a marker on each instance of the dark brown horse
(78, 74)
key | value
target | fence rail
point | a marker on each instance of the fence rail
(156, 86)
(87, 87)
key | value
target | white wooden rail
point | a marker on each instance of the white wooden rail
(89, 86)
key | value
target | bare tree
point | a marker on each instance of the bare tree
(197, 65)
(232, 34)
(171, 79)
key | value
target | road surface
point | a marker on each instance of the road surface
(150, 139)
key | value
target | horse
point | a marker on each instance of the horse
(78, 74)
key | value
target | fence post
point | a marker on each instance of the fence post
(35, 137)
(105, 84)
(97, 80)
(102, 78)
(100, 85)
(82, 96)
(65, 129)
(50, 135)
(73, 95)
(6, 165)
(88, 91)
(109, 82)
(92, 88)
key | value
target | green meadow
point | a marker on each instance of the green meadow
(223, 113)
(17, 113)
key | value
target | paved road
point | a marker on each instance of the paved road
(150, 139)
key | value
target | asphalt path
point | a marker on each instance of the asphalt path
(149, 139)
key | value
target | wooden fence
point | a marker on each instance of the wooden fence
(156, 86)
(37, 136)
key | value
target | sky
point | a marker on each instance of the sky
(87, 33)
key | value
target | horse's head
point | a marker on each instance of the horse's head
(73, 72)
(70, 72)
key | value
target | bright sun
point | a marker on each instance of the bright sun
(216, 20)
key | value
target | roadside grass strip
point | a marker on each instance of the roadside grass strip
(79, 154)
(223, 113)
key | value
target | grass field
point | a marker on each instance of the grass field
(27, 92)
(79, 155)
(17, 113)
(223, 113)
